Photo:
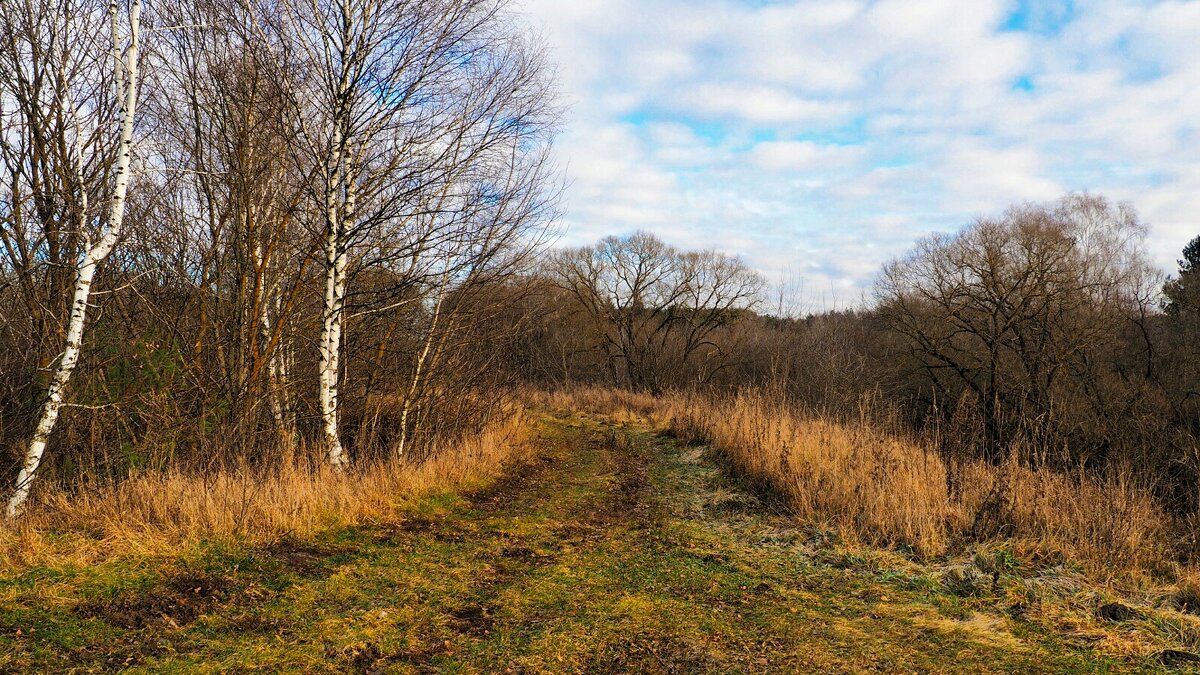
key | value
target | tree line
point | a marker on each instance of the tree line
(1044, 336)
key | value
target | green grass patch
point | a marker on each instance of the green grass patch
(616, 550)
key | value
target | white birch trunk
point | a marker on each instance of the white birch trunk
(336, 261)
(331, 344)
(126, 65)
(268, 303)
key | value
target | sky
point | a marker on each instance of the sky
(819, 139)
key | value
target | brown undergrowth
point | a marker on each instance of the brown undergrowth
(886, 489)
(163, 513)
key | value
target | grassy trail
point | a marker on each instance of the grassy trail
(615, 550)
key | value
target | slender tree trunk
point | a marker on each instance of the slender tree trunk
(54, 395)
(276, 368)
(127, 75)
(340, 189)
(418, 371)
(331, 344)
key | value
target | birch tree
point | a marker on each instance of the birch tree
(401, 104)
(65, 101)
(227, 137)
(501, 220)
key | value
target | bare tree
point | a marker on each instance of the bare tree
(66, 146)
(654, 309)
(234, 187)
(402, 105)
(1011, 310)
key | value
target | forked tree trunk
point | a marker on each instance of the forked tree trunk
(418, 371)
(269, 309)
(126, 64)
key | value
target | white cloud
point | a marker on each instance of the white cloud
(979, 178)
(756, 104)
(824, 136)
(802, 156)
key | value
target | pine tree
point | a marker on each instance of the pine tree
(1183, 292)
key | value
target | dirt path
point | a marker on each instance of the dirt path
(616, 550)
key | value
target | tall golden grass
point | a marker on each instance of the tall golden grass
(872, 486)
(162, 513)
(886, 489)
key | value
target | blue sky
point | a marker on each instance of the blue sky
(820, 139)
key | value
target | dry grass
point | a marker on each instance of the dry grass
(876, 488)
(620, 404)
(884, 489)
(162, 513)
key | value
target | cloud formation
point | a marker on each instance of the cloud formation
(822, 137)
